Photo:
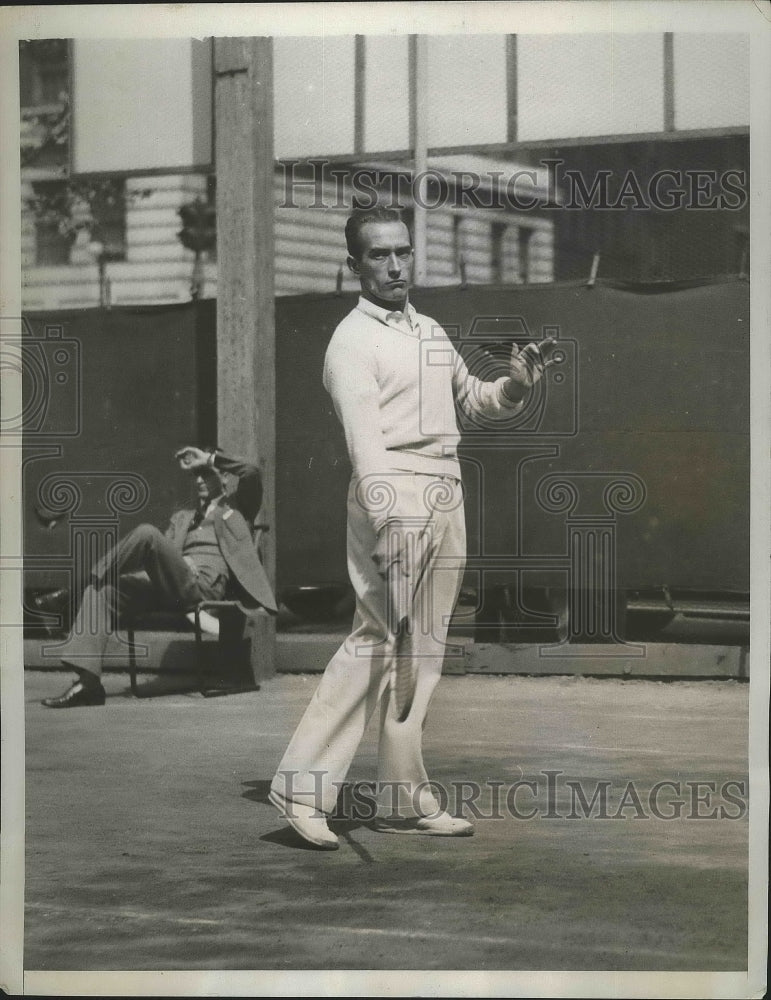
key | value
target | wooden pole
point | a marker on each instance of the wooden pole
(418, 63)
(243, 102)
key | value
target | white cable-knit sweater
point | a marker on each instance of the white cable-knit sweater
(394, 380)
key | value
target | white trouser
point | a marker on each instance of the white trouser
(320, 753)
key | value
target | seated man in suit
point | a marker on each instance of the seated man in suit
(204, 553)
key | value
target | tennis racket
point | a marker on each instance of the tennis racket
(403, 674)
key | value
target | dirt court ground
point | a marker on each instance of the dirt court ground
(150, 844)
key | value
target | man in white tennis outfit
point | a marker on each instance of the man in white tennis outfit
(395, 379)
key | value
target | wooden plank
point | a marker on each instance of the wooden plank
(245, 304)
(305, 654)
(663, 660)
(301, 653)
(163, 651)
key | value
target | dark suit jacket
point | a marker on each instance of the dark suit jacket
(233, 520)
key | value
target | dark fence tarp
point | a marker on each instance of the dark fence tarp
(654, 389)
(109, 396)
(655, 385)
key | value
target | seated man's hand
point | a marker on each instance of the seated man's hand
(191, 458)
(527, 367)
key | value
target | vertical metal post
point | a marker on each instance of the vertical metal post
(243, 100)
(359, 83)
(669, 82)
(104, 293)
(511, 88)
(418, 62)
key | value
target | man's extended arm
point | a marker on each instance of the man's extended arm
(506, 395)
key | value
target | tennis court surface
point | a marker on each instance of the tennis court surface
(150, 843)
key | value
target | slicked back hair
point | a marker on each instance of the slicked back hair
(360, 217)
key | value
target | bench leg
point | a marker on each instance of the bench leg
(132, 660)
(229, 647)
(146, 690)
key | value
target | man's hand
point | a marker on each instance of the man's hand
(392, 548)
(527, 367)
(191, 458)
(397, 550)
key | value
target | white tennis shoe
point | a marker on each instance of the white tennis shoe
(441, 825)
(310, 824)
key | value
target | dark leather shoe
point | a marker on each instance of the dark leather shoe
(77, 695)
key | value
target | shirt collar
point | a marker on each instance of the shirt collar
(394, 318)
(211, 503)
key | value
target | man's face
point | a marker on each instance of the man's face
(208, 484)
(384, 267)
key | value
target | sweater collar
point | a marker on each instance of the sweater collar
(395, 318)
